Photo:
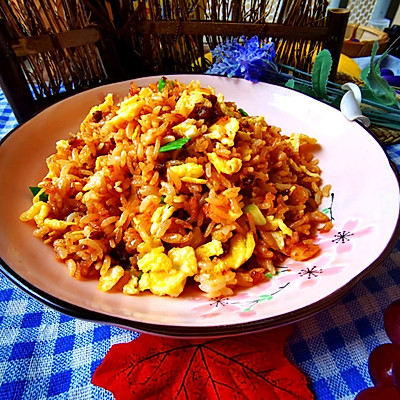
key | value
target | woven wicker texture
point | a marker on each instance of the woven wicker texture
(360, 10)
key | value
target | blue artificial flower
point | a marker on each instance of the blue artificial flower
(247, 59)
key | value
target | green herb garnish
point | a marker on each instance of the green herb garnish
(244, 113)
(161, 84)
(256, 213)
(175, 145)
(35, 190)
(162, 200)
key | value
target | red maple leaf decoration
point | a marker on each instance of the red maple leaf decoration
(240, 367)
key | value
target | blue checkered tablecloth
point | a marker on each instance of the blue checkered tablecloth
(47, 355)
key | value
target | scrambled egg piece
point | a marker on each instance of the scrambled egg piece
(145, 92)
(187, 102)
(187, 128)
(258, 121)
(224, 130)
(166, 274)
(207, 250)
(189, 172)
(240, 250)
(62, 145)
(148, 246)
(223, 106)
(96, 181)
(223, 165)
(132, 286)
(103, 107)
(277, 223)
(129, 109)
(56, 224)
(246, 153)
(38, 212)
(110, 277)
(161, 214)
(297, 139)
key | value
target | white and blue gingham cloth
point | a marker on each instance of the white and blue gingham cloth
(47, 355)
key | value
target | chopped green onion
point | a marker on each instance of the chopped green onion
(269, 275)
(256, 213)
(162, 200)
(175, 145)
(35, 190)
(244, 113)
(161, 84)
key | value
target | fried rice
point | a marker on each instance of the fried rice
(176, 186)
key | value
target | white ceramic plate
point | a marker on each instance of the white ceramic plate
(365, 208)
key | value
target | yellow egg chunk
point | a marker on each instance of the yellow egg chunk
(223, 165)
(37, 212)
(186, 103)
(162, 213)
(129, 109)
(246, 153)
(189, 172)
(103, 107)
(210, 249)
(96, 181)
(187, 128)
(110, 278)
(155, 261)
(166, 274)
(197, 181)
(224, 130)
(297, 139)
(240, 250)
(56, 224)
(132, 286)
(145, 92)
(223, 106)
(62, 145)
(277, 223)
(234, 215)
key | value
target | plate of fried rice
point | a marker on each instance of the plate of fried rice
(193, 205)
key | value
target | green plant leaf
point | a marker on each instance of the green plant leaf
(320, 73)
(35, 190)
(336, 101)
(292, 84)
(376, 88)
